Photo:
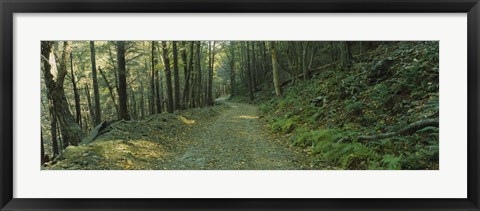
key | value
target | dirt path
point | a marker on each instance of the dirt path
(236, 139)
(226, 137)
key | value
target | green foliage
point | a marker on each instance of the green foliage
(383, 91)
(392, 162)
(283, 125)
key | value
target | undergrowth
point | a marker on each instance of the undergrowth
(382, 93)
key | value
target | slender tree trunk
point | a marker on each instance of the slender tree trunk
(210, 75)
(254, 68)
(176, 79)
(345, 54)
(232, 69)
(133, 104)
(276, 74)
(90, 107)
(186, 70)
(157, 79)
(161, 95)
(191, 72)
(199, 75)
(78, 112)
(249, 73)
(142, 101)
(96, 94)
(71, 131)
(110, 90)
(304, 61)
(168, 76)
(152, 92)
(122, 81)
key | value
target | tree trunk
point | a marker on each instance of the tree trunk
(276, 74)
(254, 69)
(232, 69)
(186, 70)
(53, 131)
(71, 131)
(249, 73)
(345, 54)
(96, 94)
(90, 106)
(78, 112)
(110, 90)
(133, 104)
(42, 149)
(122, 81)
(152, 92)
(142, 102)
(168, 77)
(306, 76)
(210, 75)
(199, 75)
(176, 79)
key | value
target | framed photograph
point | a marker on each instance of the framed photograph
(228, 105)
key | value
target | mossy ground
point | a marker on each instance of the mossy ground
(390, 88)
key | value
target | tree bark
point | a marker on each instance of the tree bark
(345, 54)
(249, 73)
(110, 90)
(199, 75)
(71, 131)
(42, 149)
(78, 112)
(232, 69)
(186, 70)
(306, 76)
(276, 74)
(142, 102)
(122, 81)
(176, 79)
(53, 131)
(210, 75)
(96, 94)
(168, 77)
(90, 106)
(152, 92)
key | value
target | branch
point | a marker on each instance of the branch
(408, 130)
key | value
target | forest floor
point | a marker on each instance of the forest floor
(229, 136)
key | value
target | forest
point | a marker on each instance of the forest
(239, 105)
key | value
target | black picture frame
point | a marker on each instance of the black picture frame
(9, 7)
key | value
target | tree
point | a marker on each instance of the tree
(122, 81)
(168, 76)
(154, 99)
(187, 71)
(276, 73)
(199, 75)
(71, 131)
(42, 150)
(96, 94)
(211, 58)
(249, 77)
(176, 79)
(110, 90)
(345, 54)
(78, 113)
(306, 76)
(231, 58)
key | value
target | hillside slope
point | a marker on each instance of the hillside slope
(366, 116)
